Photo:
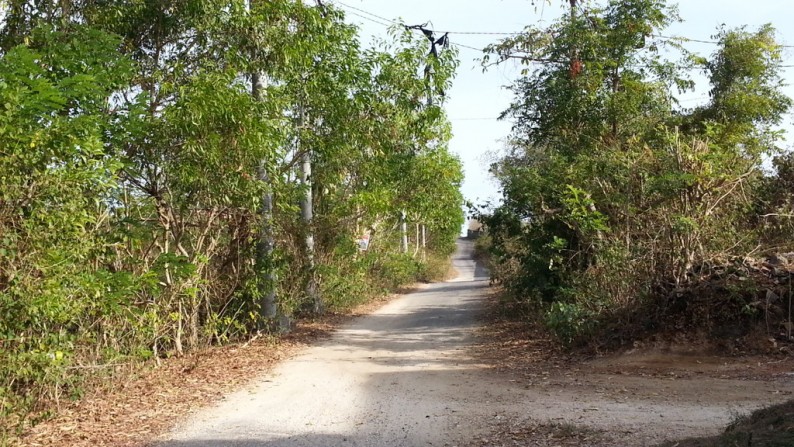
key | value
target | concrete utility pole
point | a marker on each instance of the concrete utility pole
(403, 232)
(264, 248)
(307, 216)
(265, 241)
(424, 242)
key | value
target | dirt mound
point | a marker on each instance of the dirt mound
(730, 296)
(731, 306)
(768, 427)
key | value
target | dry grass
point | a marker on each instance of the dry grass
(528, 433)
(143, 402)
(768, 427)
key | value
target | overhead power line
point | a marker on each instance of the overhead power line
(466, 46)
(380, 20)
(482, 33)
(688, 39)
(366, 12)
(376, 16)
(383, 21)
(370, 19)
(508, 33)
(490, 118)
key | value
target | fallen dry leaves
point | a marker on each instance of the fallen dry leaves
(520, 350)
(149, 400)
(511, 433)
(508, 343)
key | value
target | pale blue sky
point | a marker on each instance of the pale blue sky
(477, 98)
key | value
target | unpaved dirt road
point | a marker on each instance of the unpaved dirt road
(397, 377)
(405, 376)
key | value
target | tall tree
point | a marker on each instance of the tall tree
(151, 183)
(613, 195)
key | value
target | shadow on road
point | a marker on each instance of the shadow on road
(398, 377)
(307, 440)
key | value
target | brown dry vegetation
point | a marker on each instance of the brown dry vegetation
(612, 389)
(138, 404)
(769, 427)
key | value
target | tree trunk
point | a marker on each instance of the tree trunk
(416, 241)
(403, 233)
(266, 242)
(424, 243)
(264, 250)
(307, 216)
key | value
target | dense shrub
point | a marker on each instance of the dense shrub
(154, 161)
(614, 196)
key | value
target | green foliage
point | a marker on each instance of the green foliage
(569, 321)
(435, 268)
(55, 177)
(612, 195)
(348, 284)
(394, 270)
(135, 151)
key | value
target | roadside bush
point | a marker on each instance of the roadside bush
(434, 268)
(393, 270)
(346, 284)
(570, 322)
(615, 197)
(151, 182)
(55, 176)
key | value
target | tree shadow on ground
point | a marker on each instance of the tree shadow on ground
(302, 440)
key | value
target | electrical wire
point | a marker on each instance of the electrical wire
(370, 19)
(687, 39)
(366, 12)
(484, 33)
(383, 21)
(481, 33)
(515, 33)
(490, 118)
(467, 47)
(380, 21)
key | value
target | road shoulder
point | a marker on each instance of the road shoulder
(639, 397)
